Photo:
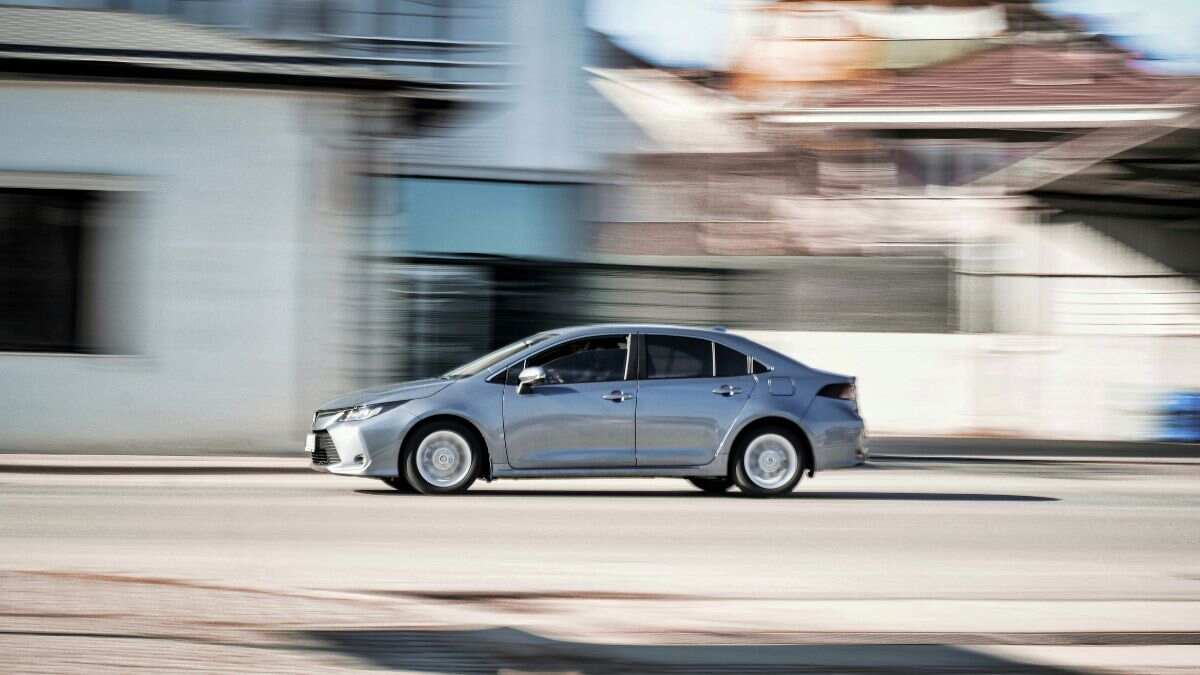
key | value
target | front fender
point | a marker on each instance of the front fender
(478, 405)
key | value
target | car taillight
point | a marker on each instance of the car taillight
(845, 391)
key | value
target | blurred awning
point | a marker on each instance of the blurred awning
(678, 116)
(85, 44)
(929, 23)
(1011, 86)
(1003, 117)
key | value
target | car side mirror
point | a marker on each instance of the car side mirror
(529, 377)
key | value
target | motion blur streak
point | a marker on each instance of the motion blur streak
(216, 214)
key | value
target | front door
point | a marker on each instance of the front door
(582, 417)
(691, 392)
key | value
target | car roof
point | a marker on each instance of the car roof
(716, 334)
(595, 328)
(760, 352)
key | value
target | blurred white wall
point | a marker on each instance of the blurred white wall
(232, 297)
(1069, 279)
(1054, 387)
(538, 127)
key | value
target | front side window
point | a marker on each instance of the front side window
(673, 356)
(592, 359)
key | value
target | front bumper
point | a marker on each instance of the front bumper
(367, 448)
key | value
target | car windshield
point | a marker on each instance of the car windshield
(490, 359)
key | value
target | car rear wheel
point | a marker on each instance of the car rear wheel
(768, 462)
(713, 485)
(442, 458)
(398, 483)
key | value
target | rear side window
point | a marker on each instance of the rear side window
(672, 356)
(759, 368)
(729, 362)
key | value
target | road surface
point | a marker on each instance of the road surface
(971, 566)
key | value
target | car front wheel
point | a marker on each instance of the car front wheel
(442, 458)
(768, 462)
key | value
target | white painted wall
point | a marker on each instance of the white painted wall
(233, 267)
(1115, 289)
(1065, 387)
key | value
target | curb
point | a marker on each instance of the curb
(145, 470)
(1033, 459)
(1029, 448)
(148, 464)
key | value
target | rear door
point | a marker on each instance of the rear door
(690, 391)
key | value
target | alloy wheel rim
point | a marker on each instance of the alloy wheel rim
(770, 461)
(443, 458)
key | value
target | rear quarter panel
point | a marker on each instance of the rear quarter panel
(833, 427)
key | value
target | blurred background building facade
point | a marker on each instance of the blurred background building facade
(219, 212)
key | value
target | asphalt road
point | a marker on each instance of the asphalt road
(1060, 567)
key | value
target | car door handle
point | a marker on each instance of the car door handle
(617, 396)
(727, 390)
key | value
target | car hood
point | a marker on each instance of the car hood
(397, 391)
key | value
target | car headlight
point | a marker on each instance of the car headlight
(366, 412)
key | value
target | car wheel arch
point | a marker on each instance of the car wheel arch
(752, 426)
(436, 418)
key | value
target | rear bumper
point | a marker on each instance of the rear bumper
(837, 432)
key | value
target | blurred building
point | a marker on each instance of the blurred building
(807, 51)
(475, 217)
(872, 174)
(420, 214)
(967, 133)
(180, 212)
(959, 201)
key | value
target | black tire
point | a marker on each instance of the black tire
(398, 483)
(749, 485)
(713, 486)
(412, 448)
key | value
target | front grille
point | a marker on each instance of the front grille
(325, 452)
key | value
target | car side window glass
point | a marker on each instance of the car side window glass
(593, 359)
(759, 368)
(510, 377)
(730, 362)
(673, 356)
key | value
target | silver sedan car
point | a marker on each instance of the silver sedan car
(601, 401)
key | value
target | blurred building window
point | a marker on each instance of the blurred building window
(955, 162)
(522, 219)
(47, 242)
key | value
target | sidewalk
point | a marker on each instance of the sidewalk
(883, 450)
(150, 464)
(1026, 448)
